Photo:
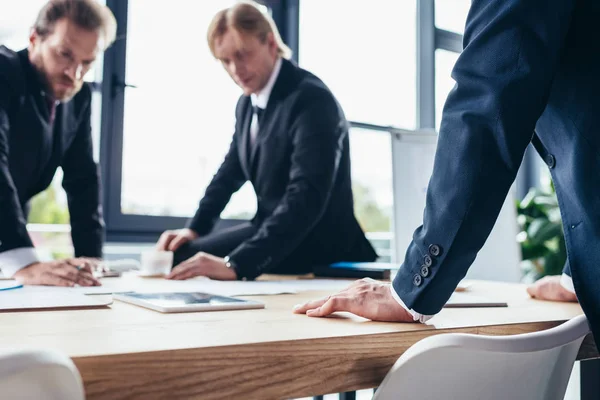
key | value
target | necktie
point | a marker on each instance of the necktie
(51, 108)
(254, 126)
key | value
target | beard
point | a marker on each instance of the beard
(61, 87)
(62, 93)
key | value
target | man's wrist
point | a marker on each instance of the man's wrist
(12, 261)
(567, 283)
(229, 263)
(415, 315)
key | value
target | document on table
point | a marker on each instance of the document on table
(9, 285)
(23, 299)
(224, 288)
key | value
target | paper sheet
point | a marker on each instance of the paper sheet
(8, 284)
(23, 299)
(224, 288)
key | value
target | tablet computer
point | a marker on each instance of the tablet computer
(186, 302)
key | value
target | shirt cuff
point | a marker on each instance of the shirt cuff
(12, 261)
(416, 316)
(567, 282)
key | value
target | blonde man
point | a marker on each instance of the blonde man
(291, 143)
(45, 124)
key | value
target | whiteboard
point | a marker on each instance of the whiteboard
(414, 153)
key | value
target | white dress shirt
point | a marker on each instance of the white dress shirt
(12, 261)
(261, 99)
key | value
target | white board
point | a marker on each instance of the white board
(414, 153)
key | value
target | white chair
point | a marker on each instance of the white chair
(39, 374)
(462, 366)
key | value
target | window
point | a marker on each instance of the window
(368, 60)
(372, 187)
(16, 20)
(444, 62)
(365, 52)
(451, 15)
(179, 120)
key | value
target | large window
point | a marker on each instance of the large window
(179, 121)
(368, 60)
(444, 62)
(450, 15)
(388, 63)
(365, 52)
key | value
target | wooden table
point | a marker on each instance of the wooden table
(128, 352)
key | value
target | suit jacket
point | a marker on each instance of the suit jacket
(300, 170)
(31, 150)
(526, 64)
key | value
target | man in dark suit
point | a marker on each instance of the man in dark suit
(527, 65)
(45, 124)
(291, 142)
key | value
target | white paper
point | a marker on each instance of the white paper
(9, 283)
(223, 288)
(21, 299)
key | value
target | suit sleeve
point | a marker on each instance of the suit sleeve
(503, 80)
(228, 180)
(81, 182)
(13, 224)
(317, 136)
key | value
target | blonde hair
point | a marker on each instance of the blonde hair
(87, 14)
(246, 18)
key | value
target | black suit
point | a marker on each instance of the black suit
(31, 150)
(300, 170)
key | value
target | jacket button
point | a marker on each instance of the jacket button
(435, 250)
(424, 271)
(427, 261)
(550, 161)
(417, 280)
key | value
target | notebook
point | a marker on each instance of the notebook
(468, 300)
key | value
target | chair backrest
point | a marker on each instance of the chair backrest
(462, 366)
(39, 374)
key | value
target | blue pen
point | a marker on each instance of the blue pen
(11, 287)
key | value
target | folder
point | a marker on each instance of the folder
(345, 269)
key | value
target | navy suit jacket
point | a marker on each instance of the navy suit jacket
(527, 65)
(31, 150)
(300, 170)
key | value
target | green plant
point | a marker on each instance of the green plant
(541, 237)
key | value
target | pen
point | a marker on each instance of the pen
(11, 287)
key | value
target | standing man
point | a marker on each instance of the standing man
(291, 142)
(45, 124)
(527, 65)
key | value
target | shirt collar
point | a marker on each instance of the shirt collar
(262, 98)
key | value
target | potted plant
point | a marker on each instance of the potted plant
(541, 234)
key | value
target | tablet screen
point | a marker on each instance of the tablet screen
(182, 299)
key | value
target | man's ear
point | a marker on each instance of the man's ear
(271, 43)
(34, 38)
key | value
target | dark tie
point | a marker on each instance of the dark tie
(258, 112)
(51, 109)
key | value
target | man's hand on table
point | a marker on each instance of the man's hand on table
(366, 298)
(69, 272)
(549, 288)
